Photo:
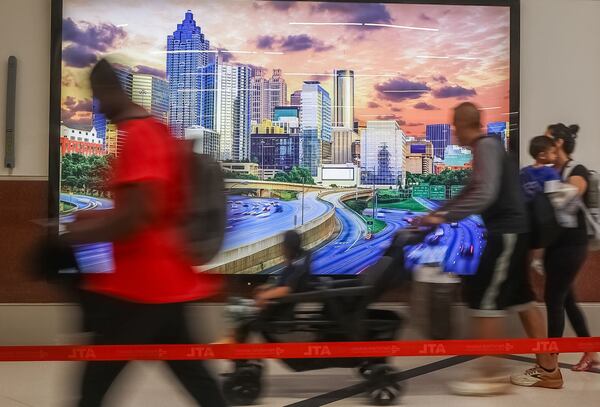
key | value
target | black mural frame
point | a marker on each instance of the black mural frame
(243, 282)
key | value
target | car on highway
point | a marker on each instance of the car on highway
(435, 237)
(409, 212)
(433, 240)
(266, 209)
(467, 250)
(454, 225)
(480, 225)
(380, 215)
(246, 205)
(278, 209)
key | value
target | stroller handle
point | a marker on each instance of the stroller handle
(410, 235)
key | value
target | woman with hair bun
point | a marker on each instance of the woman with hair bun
(565, 257)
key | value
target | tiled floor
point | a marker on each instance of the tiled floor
(150, 385)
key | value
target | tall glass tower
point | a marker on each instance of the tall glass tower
(232, 110)
(98, 120)
(187, 54)
(152, 94)
(440, 136)
(315, 118)
(343, 98)
(383, 152)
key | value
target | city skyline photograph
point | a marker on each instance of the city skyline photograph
(303, 104)
(411, 63)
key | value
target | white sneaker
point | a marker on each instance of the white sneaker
(538, 377)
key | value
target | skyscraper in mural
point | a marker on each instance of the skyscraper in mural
(185, 60)
(343, 98)
(419, 157)
(315, 119)
(296, 98)
(259, 96)
(152, 94)
(274, 147)
(266, 94)
(440, 136)
(342, 139)
(277, 91)
(99, 121)
(383, 152)
(231, 101)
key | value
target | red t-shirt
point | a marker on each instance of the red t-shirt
(151, 265)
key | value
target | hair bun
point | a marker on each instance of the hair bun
(574, 129)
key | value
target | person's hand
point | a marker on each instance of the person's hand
(537, 261)
(538, 266)
(428, 220)
(261, 301)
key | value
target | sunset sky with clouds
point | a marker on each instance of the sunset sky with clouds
(415, 74)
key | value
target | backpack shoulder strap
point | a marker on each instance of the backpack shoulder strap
(569, 169)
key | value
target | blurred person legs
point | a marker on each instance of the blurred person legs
(502, 284)
(562, 266)
(115, 321)
(488, 293)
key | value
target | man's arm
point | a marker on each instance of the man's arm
(483, 188)
(135, 210)
(272, 294)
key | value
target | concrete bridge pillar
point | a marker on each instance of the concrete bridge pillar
(264, 193)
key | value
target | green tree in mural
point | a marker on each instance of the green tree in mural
(446, 177)
(87, 175)
(239, 175)
(297, 175)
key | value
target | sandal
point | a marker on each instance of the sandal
(585, 365)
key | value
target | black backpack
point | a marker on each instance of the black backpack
(205, 215)
(544, 226)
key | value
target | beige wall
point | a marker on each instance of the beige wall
(560, 71)
(25, 33)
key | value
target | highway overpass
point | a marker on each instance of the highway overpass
(271, 185)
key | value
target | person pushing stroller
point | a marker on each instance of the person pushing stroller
(294, 278)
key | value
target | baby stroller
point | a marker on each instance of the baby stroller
(343, 312)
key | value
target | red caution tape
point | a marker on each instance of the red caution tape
(298, 350)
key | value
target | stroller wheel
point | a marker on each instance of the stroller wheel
(385, 396)
(366, 371)
(243, 387)
(384, 389)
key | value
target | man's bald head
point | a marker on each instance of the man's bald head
(107, 90)
(467, 123)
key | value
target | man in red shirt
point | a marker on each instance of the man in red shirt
(142, 300)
